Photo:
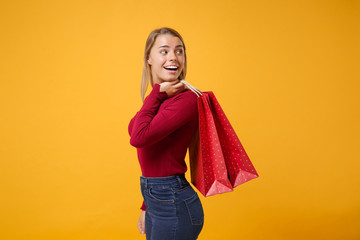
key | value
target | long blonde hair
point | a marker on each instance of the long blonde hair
(147, 76)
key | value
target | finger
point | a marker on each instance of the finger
(175, 82)
(141, 229)
(180, 85)
(185, 85)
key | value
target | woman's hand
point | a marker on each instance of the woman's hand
(141, 222)
(172, 88)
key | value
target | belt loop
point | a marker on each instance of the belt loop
(179, 180)
(146, 183)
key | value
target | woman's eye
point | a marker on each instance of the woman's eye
(163, 51)
(180, 51)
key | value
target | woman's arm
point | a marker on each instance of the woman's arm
(131, 124)
(141, 222)
(149, 126)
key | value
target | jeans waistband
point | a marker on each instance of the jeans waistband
(164, 181)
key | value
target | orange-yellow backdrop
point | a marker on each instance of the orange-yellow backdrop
(285, 72)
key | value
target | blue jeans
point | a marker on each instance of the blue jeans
(173, 208)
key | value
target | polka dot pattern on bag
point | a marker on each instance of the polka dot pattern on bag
(220, 161)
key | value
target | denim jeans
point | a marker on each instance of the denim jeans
(173, 208)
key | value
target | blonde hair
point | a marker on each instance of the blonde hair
(147, 76)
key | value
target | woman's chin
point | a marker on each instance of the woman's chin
(167, 79)
(170, 80)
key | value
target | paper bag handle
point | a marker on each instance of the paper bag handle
(198, 92)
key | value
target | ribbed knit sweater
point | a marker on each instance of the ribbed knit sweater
(162, 130)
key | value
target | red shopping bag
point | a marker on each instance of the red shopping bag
(218, 161)
(238, 164)
(207, 163)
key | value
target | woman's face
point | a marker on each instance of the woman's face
(166, 58)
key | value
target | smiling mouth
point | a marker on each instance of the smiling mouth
(171, 68)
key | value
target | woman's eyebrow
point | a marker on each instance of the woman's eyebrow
(166, 46)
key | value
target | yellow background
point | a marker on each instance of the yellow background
(285, 72)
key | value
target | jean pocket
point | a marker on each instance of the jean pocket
(162, 194)
(195, 210)
(182, 189)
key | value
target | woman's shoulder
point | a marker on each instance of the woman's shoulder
(186, 100)
(188, 94)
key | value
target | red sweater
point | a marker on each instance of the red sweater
(162, 130)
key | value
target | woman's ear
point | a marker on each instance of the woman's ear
(148, 60)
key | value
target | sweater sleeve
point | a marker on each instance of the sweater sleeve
(143, 207)
(131, 124)
(150, 127)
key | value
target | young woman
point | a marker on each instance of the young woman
(162, 131)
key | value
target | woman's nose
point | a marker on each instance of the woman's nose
(172, 56)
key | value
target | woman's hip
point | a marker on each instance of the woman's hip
(173, 189)
(172, 197)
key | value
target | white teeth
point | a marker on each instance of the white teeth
(172, 67)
